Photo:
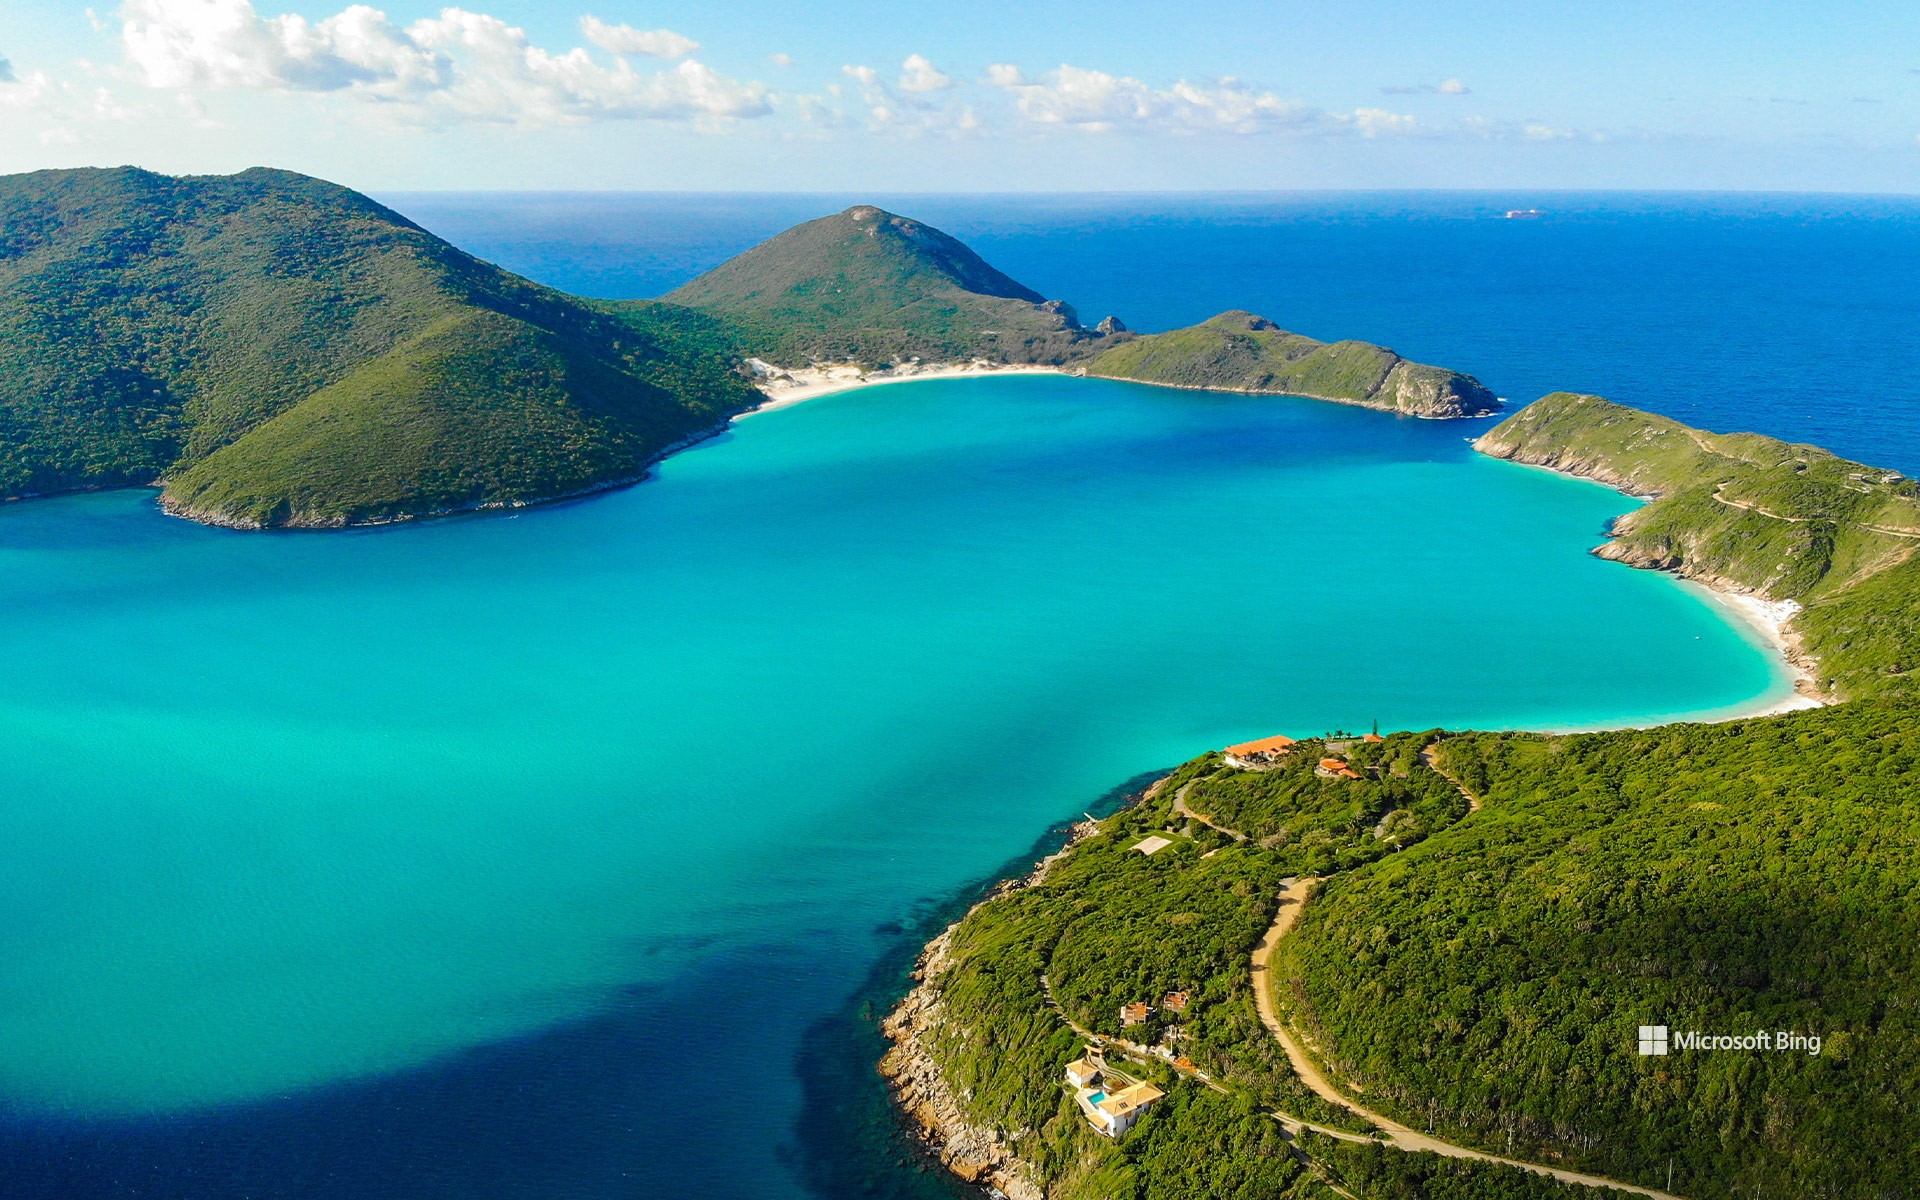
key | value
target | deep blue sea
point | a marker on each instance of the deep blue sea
(572, 853)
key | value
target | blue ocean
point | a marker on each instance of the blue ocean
(576, 852)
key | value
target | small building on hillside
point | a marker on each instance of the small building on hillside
(1135, 1013)
(1111, 1102)
(1113, 1113)
(1264, 752)
(1336, 768)
(1373, 737)
(1174, 1002)
(1082, 1071)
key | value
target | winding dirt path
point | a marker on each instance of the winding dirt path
(1430, 755)
(1181, 808)
(1292, 900)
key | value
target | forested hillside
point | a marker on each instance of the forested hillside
(282, 350)
(1760, 875)
(1108, 925)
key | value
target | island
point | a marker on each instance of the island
(276, 351)
(1453, 963)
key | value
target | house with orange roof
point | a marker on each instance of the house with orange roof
(1262, 752)
(1112, 1112)
(1135, 1013)
(1336, 768)
(1174, 1002)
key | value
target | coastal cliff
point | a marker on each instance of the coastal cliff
(1241, 352)
(973, 1151)
(1751, 515)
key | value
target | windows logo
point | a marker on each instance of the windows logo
(1653, 1039)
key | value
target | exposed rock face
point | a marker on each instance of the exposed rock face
(970, 1151)
(1069, 319)
(1423, 391)
(1109, 326)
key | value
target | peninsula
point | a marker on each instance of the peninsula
(272, 350)
(1241, 352)
(1748, 514)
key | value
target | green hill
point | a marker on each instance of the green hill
(873, 287)
(1481, 975)
(280, 350)
(1761, 875)
(1105, 925)
(1783, 521)
(1240, 352)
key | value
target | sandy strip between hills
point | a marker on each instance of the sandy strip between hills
(808, 383)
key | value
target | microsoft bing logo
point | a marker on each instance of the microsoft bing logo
(1653, 1039)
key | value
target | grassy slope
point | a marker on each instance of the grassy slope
(1724, 878)
(1788, 522)
(1241, 352)
(1108, 926)
(865, 284)
(1488, 975)
(156, 326)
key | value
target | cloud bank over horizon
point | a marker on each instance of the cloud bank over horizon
(742, 96)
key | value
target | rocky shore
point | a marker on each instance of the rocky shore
(971, 1151)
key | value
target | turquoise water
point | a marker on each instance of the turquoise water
(289, 816)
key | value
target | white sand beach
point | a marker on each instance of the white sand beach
(1770, 618)
(784, 387)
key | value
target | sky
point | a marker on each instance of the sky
(979, 96)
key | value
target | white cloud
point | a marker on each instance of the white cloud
(1373, 122)
(1092, 100)
(625, 39)
(919, 75)
(906, 105)
(1546, 133)
(33, 90)
(1453, 87)
(226, 44)
(457, 65)
(780, 59)
(59, 135)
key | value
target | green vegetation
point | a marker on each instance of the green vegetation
(1382, 1173)
(1784, 521)
(1237, 351)
(1728, 878)
(1484, 976)
(1107, 926)
(873, 287)
(285, 351)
